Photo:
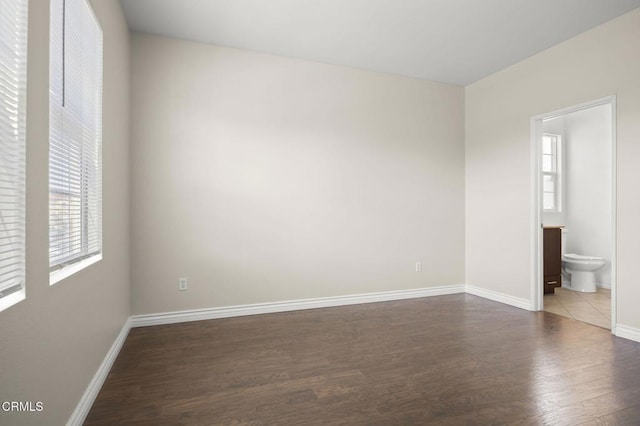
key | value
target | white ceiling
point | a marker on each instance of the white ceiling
(452, 41)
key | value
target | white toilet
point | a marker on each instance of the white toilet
(581, 270)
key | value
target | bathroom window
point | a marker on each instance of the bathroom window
(75, 139)
(551, 172)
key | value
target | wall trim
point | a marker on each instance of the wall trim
(500, 297)
(627, 332)
(86, 402)
(292, 305)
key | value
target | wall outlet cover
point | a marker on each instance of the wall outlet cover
(183, 284)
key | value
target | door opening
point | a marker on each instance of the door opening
(573, 199)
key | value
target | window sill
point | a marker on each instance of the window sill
(67, 271)
(12, 299)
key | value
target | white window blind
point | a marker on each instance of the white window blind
(75, 135)
(13, 77)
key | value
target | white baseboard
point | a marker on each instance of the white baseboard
(82, 409)
(293, 305)
(627, 332)
(499, 297)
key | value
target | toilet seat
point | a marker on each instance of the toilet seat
(581, 258)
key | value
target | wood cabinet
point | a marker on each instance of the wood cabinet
(552, 258)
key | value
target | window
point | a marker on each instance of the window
(13, 67)
(75, 138)
(551, 195)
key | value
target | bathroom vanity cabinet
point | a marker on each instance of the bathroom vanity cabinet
(552, 248)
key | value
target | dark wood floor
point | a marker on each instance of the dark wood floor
(456, 359)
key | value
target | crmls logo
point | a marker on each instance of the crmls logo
(22, 406)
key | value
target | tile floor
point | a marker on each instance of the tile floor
(592, 308)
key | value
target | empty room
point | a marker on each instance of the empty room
(311, 212)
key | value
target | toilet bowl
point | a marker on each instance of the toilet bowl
(581, 270)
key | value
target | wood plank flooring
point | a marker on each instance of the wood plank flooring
(456, 360)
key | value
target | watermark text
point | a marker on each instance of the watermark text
(22, 406)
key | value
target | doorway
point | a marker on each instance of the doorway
(573, 194)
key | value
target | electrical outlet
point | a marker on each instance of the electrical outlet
(418, 266)
(182, 284)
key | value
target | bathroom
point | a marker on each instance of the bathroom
(577, 205)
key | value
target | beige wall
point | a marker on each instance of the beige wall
(264, 178)
(601, 62)
(54, 341)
